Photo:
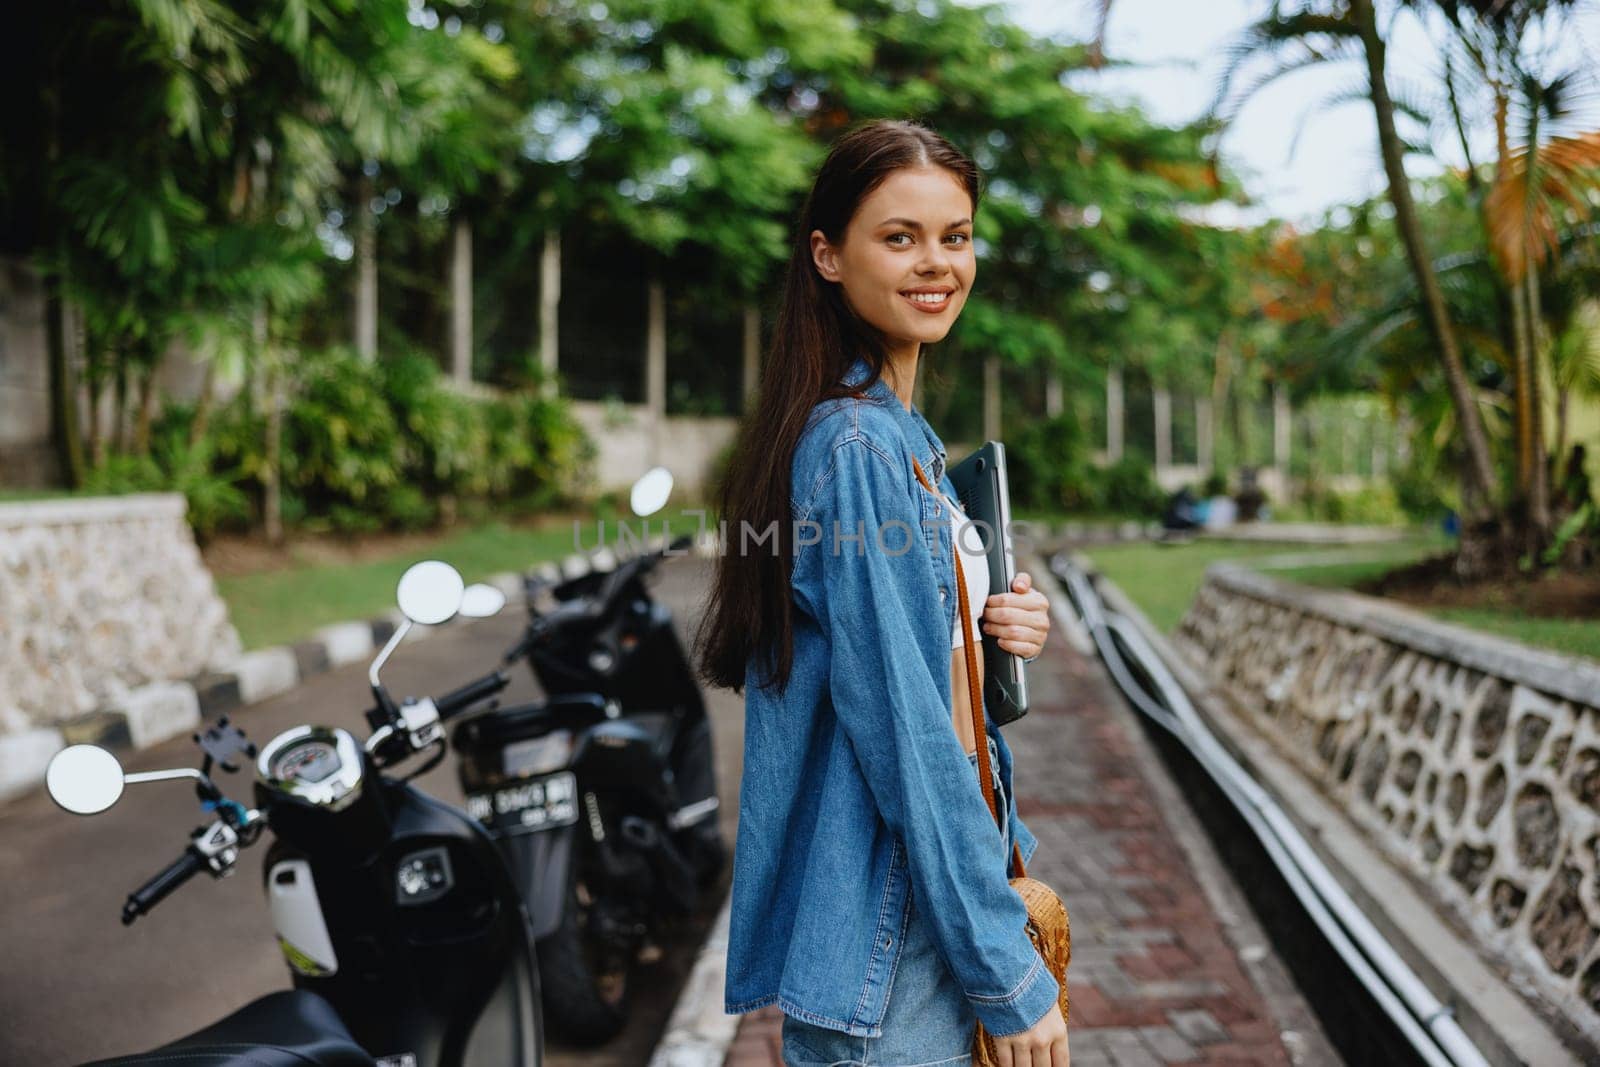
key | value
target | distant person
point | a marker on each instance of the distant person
(1250, 499)
(870, 898)
(1219, 510)
(1221, 513)
(1180, 513)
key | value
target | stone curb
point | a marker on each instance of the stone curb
(159, 711)
(699, 1032)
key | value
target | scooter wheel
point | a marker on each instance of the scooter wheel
(585, 1000)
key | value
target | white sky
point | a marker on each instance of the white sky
(1181, 48)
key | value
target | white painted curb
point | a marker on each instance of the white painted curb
(699, 1032)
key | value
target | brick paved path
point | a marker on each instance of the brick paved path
(1154, 977)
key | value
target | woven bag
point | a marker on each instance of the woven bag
(1047, 926)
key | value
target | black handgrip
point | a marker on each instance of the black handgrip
(147, 896)
(472, 693)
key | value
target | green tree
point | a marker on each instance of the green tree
(1293, 36)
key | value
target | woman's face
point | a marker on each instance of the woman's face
(906, 262)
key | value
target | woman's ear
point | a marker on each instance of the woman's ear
(824, 257)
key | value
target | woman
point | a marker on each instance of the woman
(870, 897)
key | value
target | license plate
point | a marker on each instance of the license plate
(529, 805)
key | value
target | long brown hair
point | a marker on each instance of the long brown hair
(815, 340)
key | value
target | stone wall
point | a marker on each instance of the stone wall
(104, 603)
(1473, 761)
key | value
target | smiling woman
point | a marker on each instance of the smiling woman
(870, 898)
(907, 273)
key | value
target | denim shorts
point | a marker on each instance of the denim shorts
(927, 1020)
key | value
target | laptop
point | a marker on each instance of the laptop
(981, 487)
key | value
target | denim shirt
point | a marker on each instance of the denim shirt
(856, 791)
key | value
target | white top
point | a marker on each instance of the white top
(969, 539)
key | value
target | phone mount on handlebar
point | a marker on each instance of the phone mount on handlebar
(221, 743)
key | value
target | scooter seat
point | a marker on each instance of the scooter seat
(658, 726)
(288, 1029)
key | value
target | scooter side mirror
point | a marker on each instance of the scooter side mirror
(480, 601)
(84, 779)
(650, 492)
(430, 592)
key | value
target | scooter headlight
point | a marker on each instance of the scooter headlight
(538, 755)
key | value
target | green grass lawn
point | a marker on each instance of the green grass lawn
(1575, 637)
(285, 605)
(282, 605)
(1163, 580)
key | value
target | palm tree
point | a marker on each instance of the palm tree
(1500, 43)
(1291, 37)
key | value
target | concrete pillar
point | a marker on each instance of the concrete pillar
(1161, 400)
(1346, 456)
(1114, 414)
(461, 300)
(655, 358)
(1053, 403)
(752, 352)
(991, 399)
(1204, 428)
(1281, 428)
(550, 307)
(366, 302)
(27, 454)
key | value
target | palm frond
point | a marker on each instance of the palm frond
(1288, 43)
(1533, 183)
(1575, 353)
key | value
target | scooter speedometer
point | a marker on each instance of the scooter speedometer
(317, 765)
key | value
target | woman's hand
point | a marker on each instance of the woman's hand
(1044, 1044)
(1020, 620)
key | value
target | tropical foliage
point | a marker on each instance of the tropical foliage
(283, 190)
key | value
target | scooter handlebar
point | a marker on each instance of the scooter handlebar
(153, 892)
(597, 605)
(471, 693)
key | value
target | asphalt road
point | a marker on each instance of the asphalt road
(77, 985)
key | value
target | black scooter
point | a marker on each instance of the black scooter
(404, 932)
(603, 796)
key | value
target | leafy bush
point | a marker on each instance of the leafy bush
(174, 465)
(533, 451)
(1048, 465)
(1129, 487)
(446, 445)
(1375, 505)
(342, 447)
(118, 474)
(365, 446)
(1422, 493)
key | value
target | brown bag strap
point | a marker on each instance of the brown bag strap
(980, 736)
